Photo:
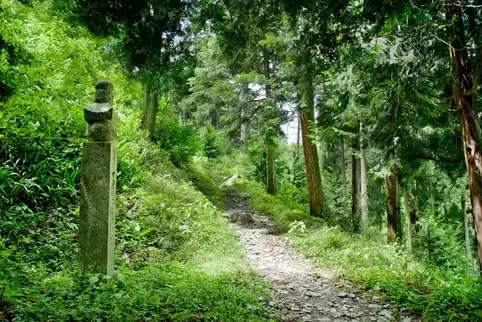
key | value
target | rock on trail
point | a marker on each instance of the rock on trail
(300, 291)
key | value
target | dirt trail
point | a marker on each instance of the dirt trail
(300, 291)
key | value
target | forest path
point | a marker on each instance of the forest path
(300, 291)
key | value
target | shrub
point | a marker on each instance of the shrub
(181, 142)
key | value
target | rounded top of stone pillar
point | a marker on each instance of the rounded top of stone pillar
(103, 91)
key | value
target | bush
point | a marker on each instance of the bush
(179, 141)
(214, 143)
(438, 244)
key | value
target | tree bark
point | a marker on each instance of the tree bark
(432, 198)
(313, 175)
(393, 208)
(319, 146)
(151, 107)
(416, 212)
(297, 152)
(355, 208)
(363, 184)
(244, 116)
(468, 250)
(464, 89)
(408, 218)
(271, 175)
(271, 171)
(342, 159)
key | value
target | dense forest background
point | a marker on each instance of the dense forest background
(380, 176)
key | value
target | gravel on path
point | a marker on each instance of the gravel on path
(300, 290)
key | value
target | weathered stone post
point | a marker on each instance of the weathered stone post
(97, 192)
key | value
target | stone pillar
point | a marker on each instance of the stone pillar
(98, 185)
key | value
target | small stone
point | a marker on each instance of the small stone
(325, 319)
(313, 294)
(352, 295)
(342, 294)
(407, 319)
(385, 312)
(373, 306)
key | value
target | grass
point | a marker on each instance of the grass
(174, 291)
(176, 260)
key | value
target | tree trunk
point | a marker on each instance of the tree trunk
(393, 208)
(244, 128)
(313, 176)
(464, 88)
(468, 249)
(363, 183)
(271, 172)
(271, 175)
(355, 209)
(151, 107)
(244, 117)
(416, 213)
(408, 218)
(432, 199)
(319, 144)
(342, 160)
(297, 152)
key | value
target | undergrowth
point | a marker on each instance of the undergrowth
(176, 258)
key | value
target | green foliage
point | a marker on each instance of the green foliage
(439, 244)
(181, 142)
(258, 158)
(140, 25)
(213, 142)
(203, 179)
(435, 293)
(173, 292)
(176, 258)
(338, 197)
(43, 119)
